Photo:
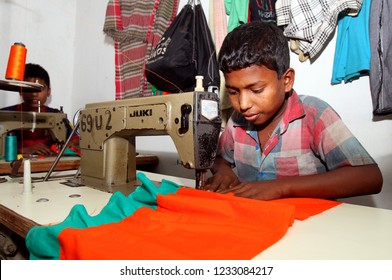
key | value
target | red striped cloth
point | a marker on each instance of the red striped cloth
(136, 27)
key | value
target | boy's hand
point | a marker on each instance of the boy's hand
(38, 149)
(220, 182)
(256, 190)
(224, 176)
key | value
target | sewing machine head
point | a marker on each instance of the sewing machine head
(108, 129)
(12, 120)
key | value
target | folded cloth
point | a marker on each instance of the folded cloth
(190, 224)
(42, 241)
(172, 222)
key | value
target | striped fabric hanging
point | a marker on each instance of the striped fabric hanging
(136, 27)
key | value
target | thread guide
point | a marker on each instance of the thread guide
(15, 85)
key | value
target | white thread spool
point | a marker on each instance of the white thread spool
(27, 188)
(199, 83)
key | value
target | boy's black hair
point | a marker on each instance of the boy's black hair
(36, 71)
(255, 43)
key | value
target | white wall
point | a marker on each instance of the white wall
(65, 36)
(94, 56)
(47, 28)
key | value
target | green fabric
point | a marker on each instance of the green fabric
(237, 10)
(69, 152)
(42, 241)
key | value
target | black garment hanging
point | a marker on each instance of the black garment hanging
(185, 51)
(262, 10)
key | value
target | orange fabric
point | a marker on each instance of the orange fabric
(190, 224)
(308, 207)
(304, 207)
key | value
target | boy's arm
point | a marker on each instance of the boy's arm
(35, 149)
(343, 182)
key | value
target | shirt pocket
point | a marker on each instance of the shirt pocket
(304, 164)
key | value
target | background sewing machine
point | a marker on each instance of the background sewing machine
(107, 135)
(11, 120)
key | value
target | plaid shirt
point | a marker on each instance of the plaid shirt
(312, 21)
(310, 139)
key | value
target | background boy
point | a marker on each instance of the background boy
(282, 144)
(38, 141)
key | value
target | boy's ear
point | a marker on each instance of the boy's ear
(49, 91)
(288, 78)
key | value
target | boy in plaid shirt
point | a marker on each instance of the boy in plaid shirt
(279, 144)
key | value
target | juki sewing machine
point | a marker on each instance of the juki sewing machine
(107, 135)
(12, 120)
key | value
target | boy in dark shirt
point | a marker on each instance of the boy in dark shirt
(37, 141)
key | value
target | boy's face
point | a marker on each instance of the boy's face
(257, 93)
(32, 100)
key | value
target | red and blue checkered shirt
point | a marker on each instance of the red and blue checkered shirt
(311, 138)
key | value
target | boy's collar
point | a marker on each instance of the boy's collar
(20, 106)
(294, 110)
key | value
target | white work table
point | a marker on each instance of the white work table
(344, 232)
(51, 201)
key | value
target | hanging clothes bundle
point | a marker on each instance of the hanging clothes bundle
(185, 50)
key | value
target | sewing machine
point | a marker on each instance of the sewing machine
(12, 120)
(107, 136)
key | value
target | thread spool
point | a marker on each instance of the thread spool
(11, 147)
(199, 83)
(16, 62)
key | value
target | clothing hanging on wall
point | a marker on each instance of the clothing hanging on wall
(262, 10)
(310, 23)
(381, 56)
(218, 26)
(136, 27)
(238, 12)
(352, 51)
(218, 22)
(185, 51)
